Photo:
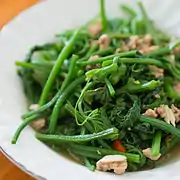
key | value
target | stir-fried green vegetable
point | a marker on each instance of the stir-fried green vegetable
(112, 87)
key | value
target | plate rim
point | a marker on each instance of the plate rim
(2, 31)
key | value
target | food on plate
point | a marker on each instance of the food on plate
(107, 93)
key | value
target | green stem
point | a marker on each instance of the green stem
(110, 87)
(54, 99)
(84, 49)
(88, 126)
(63, 55)
(103, 152)
(141, 61)
(149, 26)
(86, 154)
(119, 35)
(104, 144)
(156, 145)
(89, 53)
(71, 110)
(102, 59)
(60, 102)
(149, 61)
(111, 133)
(103, 15)
(86, 87)
(168, 86)
(22, 126)
(92, 50)
(35, 66)
(161, 125)
(88, 164)
(44, 107)
(161, 51)
(70, 73)
(102, 72)
(165, 50)
(131, 87)
(131, 12)
(103, 52)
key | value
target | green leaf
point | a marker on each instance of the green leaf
(132, 116)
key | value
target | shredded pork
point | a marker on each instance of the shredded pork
(151, 113)
(104, 41)
(170, 115)
(39, 123)
(117, 163)
(142, 44)
(95, 28)
(158, 72)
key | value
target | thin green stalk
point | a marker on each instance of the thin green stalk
(86, 154)
(159, 124)
(70, 73)
(103, 52)
(54, 99)
(84, 49)
(27, 65)
(160, 51)
(88, 164)
(60, 60)
(88, 126)
(148, 23)
(80, 108)
(141, 61)
(168, 86)
(149, 26)
(103, 15)
(71, 110)
(111, 133)
(103, 72)
(150, 61)
(60, 102)
(118, 35)
(42, 108)
(92, 50)
(86, 87)
(164, 50)
(110, 87)
(128, 10)
(35, 66)
(22, 126)
(137, 26)
(83, 131)
(104, 144)
(103, 152)
(156, 144)
(102, 59)
(132, 87)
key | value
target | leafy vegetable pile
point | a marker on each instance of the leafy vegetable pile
(108, 88)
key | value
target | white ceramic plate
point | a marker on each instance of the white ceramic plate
(38, 25)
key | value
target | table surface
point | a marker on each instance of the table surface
(8, 10)
(9, 171)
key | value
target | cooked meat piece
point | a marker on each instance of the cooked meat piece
(151, 113)
(118, 163)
